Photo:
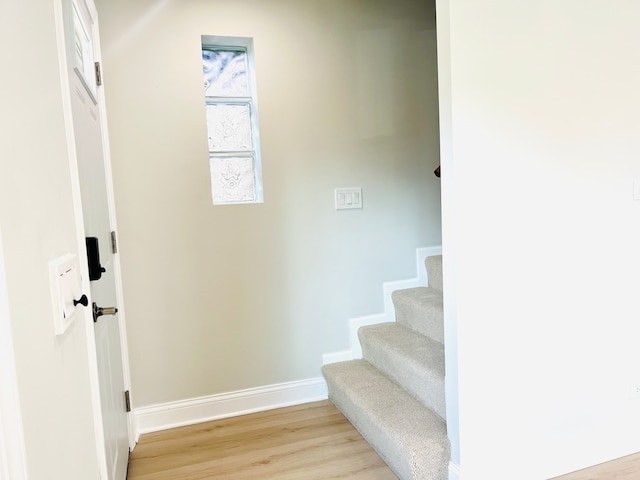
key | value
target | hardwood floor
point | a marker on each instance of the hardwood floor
(312, 441)
(627, 468)
(306, 442)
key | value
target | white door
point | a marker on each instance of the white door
(82, 42)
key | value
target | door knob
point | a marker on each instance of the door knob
(99, 311)
(83, 300)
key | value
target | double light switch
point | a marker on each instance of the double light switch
(347, 198)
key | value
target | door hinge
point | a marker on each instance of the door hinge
(127, 401)
(114, 243)
(98, 74)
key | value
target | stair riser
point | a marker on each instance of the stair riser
(425, 318)
(434, 271)
(419, 373)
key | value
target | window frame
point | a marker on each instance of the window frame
(243, 44)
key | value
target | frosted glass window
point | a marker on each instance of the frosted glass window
(232, 120)
(229, 127)
(225, 73)
(233, 179)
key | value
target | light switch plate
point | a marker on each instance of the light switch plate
(348, 198)
(65, 284)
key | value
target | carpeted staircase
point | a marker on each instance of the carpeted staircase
(394, 396)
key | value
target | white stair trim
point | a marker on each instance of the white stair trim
(389, 314)
(421, 279)
(336, 357)
(354, 326)
(214, 407)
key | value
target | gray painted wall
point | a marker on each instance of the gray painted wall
(230, 297)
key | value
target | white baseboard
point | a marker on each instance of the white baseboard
(454, 471)
(204, 409)
(336, 357)
(389, 314)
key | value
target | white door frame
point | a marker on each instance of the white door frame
(12, 448)
(80, 237)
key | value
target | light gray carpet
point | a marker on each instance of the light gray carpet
(434, 271)
(420, 309)
(413, 361)
(395, 395)
(410, 438)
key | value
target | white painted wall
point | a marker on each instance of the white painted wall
(37, 223)
(540, 219)
(227, 298)
(12, 449)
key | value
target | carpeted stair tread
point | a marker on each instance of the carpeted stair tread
(411, 360)
(434, 271)
(409, 437)
(420, 309)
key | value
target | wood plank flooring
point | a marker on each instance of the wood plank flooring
(626, 468)
(306, 442)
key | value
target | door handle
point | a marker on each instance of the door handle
(100, 311)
